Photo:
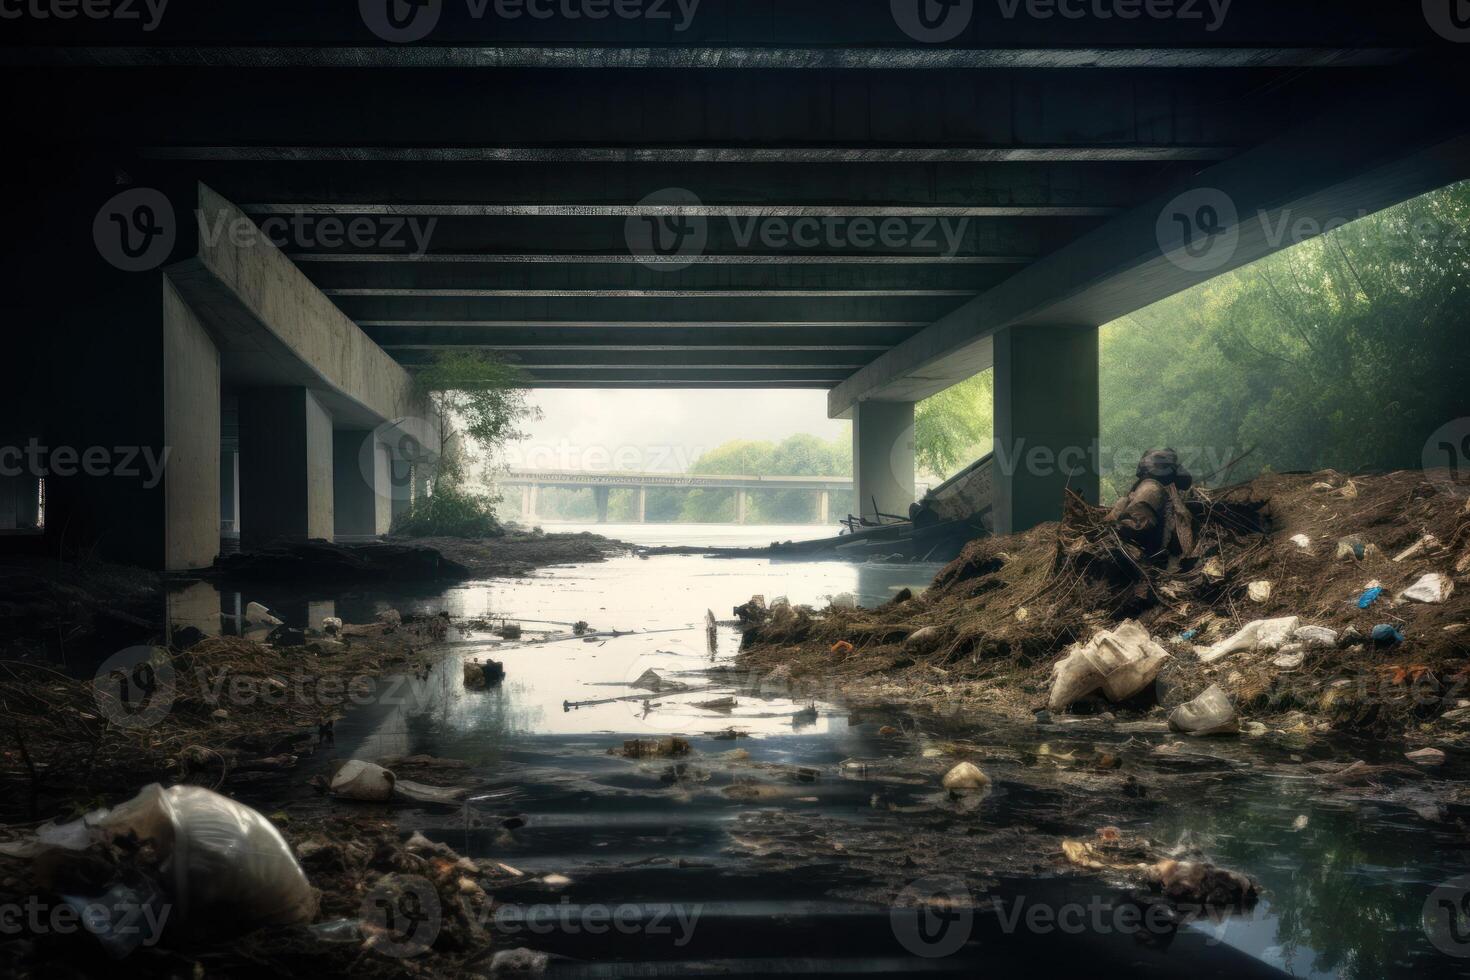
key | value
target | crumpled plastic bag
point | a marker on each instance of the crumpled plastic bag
(1209, 714)
(1120, 662)
(1268, 635)
(1432, 588)
(223, 868)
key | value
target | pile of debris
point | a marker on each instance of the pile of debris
(1345, 598)
(228, 708)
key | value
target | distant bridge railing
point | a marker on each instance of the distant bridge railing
(530, 481)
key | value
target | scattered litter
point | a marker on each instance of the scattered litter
(1387, 635)
(479, 676)
(718, 704)
(1355, 547)
(512, 631)
(1196, 884)
(1266, 635)
(1425, 757)
(841, 648)
(361, 780)
(921, 639)
(966, 776)
(220, 867)
(257, 616)
(1121, 662)
(518, 962)
(1432, 588)
(1369, 596)
(1300, 823)
(332, 625)
(1301, 541)
(390, 617)
(1427, 543)
(1259, 591)
(651, 680)
(1289, 661)
(1315, 636)
(641, 748)
(1209, 714)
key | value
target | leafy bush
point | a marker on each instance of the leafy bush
(448, 513)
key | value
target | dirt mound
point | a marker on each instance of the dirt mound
(999, 616)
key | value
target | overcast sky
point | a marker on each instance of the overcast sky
(661, 431)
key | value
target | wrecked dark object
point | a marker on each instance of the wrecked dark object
(286, 636)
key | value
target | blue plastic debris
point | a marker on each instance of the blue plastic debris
(1369, 596)
(1188, 635)
(1386, 635)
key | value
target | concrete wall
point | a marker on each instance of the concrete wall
(191, 433)
(360, 485)
(1046, 422)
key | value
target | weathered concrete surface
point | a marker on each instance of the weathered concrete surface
(361, 489)
(1046, 422)
(883, 457)
(275, 328)
(191, 435)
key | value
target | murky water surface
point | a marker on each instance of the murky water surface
(783, 851)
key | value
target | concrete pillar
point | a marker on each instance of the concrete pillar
(361, 484)
(531, 504)
(525, 502)
(883, 457)
(824, 507)
(285, 467)
(642, 504)
(740, 506)
(1046, 422)
(601, 494)
(191, 435)
(229, 493)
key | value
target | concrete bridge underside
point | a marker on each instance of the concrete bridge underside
(836, 205)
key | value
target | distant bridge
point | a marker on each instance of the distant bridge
(531, 482)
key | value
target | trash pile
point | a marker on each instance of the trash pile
(1344, 598)
(227, 709)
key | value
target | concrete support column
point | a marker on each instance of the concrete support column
(530, 514)
(285, 466)
(361, 484)
(740, 506)
(229, 493)
(1046, 422)
(824, 507)
(642, 504)
(601, 494)
(883, 457)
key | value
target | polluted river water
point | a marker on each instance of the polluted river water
(818, 841)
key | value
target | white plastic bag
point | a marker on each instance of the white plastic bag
(359, 780)
(1264, 634)
(1121, 662)
(229, 868)
(1209, 714)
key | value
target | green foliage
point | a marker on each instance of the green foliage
(798, 455)
(448, 512)
(955, 427)
(479, 401)
(1345, 351)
